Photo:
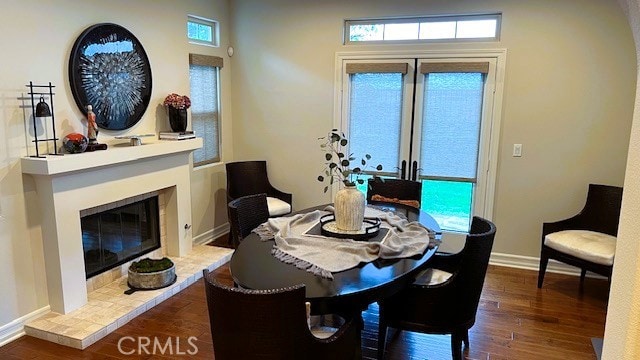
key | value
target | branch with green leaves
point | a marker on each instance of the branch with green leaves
(338, 162)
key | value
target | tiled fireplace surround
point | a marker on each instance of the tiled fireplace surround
(82, 311)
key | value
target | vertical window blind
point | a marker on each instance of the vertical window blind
(375, 114)
(205, 106)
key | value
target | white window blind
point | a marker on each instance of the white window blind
(205, 106)
(375, 117)
(451, 129)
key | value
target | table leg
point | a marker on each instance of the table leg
(382, 333)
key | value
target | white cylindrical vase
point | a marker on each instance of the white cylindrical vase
(349, 208)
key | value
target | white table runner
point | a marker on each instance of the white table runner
(323, 256)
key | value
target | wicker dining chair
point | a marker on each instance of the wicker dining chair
(446, 306)
(586, 240)
(399, 191)
(245, 214)
(250, 177)
(271, 324)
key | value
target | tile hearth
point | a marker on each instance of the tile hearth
(109, 308)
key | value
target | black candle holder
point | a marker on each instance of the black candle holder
(42, 109)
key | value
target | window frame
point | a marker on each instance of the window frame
(486, 109)
(215, 31)
(483, 183)
(419, 20)
(489, 167)
(407, 92)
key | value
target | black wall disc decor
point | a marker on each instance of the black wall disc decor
(109, 70)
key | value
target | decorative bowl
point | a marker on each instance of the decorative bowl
(75, 143)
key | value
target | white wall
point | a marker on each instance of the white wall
(564, 60)
(622, 333)
(36, 39)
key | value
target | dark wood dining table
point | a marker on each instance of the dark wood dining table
(351, 291)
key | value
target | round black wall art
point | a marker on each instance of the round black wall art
(109, 70)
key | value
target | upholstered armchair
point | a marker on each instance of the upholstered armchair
(273, 324)
(245, 214)
(588, 239)
(249, 178)
(443, 299)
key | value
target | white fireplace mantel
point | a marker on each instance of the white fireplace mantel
(55, 165)
(73, 182)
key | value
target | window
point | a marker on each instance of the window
(431, 119)
(204, 75)
(424, 29)
(202, 31)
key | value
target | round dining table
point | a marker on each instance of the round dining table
(253, 266)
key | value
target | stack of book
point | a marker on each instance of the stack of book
(169, 135)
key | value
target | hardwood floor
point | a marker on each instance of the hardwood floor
(515, 320)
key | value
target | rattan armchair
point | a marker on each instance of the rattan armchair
(250, 177)
(592, 250)
(245, 214)
(444, 308)
(399, 191)
(271, 324)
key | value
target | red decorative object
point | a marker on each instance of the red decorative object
(75, 143)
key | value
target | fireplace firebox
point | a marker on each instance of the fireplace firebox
(117, 235)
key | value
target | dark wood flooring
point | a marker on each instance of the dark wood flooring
(515, 320)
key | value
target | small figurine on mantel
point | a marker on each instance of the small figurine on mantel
(92, 131)
(92, 126)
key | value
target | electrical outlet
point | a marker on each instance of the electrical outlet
(517, 150)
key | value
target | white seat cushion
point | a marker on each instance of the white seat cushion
(322, 332)
(588, 245)
(432, 277)
(277, 206)
(321, 325)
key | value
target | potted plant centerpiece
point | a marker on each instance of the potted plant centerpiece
(177, 106)
(147, 274)
(349, 202)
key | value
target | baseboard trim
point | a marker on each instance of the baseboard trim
(533, 263)
(15, 329)
(210, 235)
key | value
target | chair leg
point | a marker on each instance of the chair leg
(233, 239)
(544, 259)
(382, 334)
(583, 274)
(358, 354)
(456, 345)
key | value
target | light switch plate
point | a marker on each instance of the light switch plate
(517, 150)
